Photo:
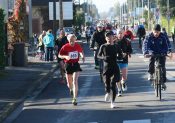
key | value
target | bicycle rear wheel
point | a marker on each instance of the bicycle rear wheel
(156, 86)
(101, 70)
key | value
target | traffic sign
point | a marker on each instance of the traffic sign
(142, 20)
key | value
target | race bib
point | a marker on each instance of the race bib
(73, 55)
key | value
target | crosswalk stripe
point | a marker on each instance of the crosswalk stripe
(138, 121)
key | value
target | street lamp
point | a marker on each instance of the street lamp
(168, 14)
(148, 15)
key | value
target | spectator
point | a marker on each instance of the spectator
(48, 41)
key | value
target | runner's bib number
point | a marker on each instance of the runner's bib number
(73, 55)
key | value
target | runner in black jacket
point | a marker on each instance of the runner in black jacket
(109, 52)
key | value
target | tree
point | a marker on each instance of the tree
(78, 17)
(18, 23)
(163, 7)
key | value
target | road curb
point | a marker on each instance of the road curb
(10, 107)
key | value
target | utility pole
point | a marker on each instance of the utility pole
(142, 10)
(30, 17)
(139, 11)
(134, 11)
(148, 16)
(61, 14)
(168, 15)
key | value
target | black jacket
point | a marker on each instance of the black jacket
(126, 47)
(98, 38)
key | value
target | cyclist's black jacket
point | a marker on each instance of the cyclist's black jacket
(110, 54)
(126, 47)
(98, 38)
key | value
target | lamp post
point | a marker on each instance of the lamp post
(148, 16)
(30, 17)
(142, 10)
(61, 14)
(168, 14)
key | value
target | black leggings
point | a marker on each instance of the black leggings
(110, 79)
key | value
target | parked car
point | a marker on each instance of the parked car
(69, 30)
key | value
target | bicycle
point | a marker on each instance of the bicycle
(158, 76)
(100, 66)
(101, 69)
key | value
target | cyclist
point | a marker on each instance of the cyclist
(141, 34)
(156, 43)
(60, 41)
(98, 38)
(109, 52)
(88, 34)
(173, 33)
(126, 48)
(70, 53)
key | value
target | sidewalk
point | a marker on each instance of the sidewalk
(17, 83)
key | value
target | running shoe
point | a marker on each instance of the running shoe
(119, 93)
(124, 87)
(163, 86)
(107, 97)
(97, 67)
(150, 77)
(112, 104)
(74, 101)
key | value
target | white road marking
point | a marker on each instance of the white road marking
(138, 121)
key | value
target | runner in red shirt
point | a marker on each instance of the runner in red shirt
(70, 52)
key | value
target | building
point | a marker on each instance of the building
(43, 15)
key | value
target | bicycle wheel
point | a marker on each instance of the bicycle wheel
(156, 87)
(160, 83)
(101, 70)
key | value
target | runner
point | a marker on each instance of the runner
(70, 53)
(109, 52)
(128, 34)
(141, 32)
(60, 41)
(126, 48)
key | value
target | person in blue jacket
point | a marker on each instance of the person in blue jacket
(156, 43)
(48, 41)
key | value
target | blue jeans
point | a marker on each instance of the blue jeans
(49, 54)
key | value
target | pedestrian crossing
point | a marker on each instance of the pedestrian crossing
(138, 121)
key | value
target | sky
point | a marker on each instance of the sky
(105, 5)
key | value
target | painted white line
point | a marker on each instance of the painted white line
(141, 56)
(138, 121)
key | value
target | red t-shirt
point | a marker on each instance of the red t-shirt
(72, 51)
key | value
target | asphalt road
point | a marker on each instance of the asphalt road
(137, 105)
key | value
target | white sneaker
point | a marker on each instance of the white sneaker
(107, 97)
(124, 86)
(150, 77)
(112, 104)
(119, 93)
